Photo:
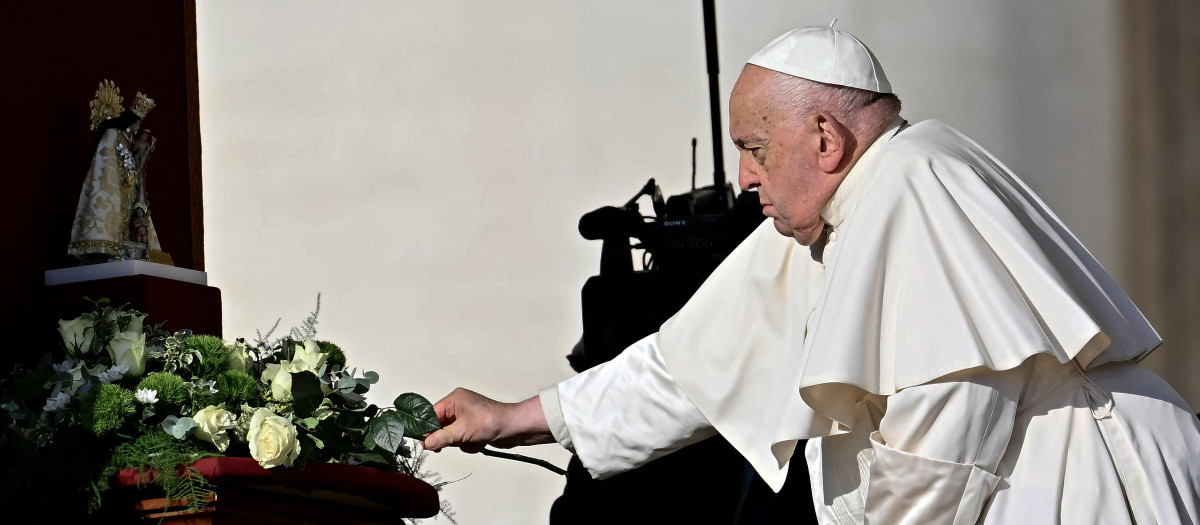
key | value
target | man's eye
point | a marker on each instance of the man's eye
(759, 155)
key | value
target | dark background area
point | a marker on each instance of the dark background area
(56, 54)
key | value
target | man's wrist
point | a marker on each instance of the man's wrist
(526, 424)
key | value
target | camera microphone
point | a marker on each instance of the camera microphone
(610, 222)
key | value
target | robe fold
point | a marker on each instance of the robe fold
(953, 351)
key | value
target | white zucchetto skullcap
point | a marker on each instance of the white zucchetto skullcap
(824, 54)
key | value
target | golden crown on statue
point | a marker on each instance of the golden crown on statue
(107, 103)
(142, 105)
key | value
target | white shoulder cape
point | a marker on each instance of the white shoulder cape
(945, 262)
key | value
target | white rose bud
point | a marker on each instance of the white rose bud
(308, 357)
(77, 335)
(211, 424)
(272, 439)
(129, 349)
(135, 323)
(279, 376)
(239, 358)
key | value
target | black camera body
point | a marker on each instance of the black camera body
(689, 235)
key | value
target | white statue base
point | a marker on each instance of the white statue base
(108, 270)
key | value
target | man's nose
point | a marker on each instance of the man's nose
(747, 178)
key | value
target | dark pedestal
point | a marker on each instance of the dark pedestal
(179, 304)
(319, 494)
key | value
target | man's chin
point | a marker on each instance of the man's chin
(805, 238)
(783, 228)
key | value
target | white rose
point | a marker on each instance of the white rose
(77, 335)
(308, 357)
(211, 424)
(239, 358)
(272, 439)
(279, 376)
(135, 323)
(129, 349)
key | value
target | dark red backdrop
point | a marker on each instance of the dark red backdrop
(55, 54)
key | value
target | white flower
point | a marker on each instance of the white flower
(58, 402)
(129, 349)
(272, 439)
(279, 376)
(308, 357)
(211, 424)
(77, 335)
(239, 359)
(147, 396)
(135, 323)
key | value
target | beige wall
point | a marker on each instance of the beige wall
(424, 167)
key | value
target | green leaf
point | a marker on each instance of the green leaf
(346, 384)
(418, 415)
(309, 423)
(371, 377)
(306, 393)
(308, 449)
(179, 427)
(376, 458)
(386, 431)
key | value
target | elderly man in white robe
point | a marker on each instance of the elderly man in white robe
(951, 350)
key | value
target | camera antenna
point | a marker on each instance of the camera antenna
(714, 92)
(693, 163)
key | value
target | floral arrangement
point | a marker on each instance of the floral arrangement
(120, 394)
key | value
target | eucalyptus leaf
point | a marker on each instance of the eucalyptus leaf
(361, 386)
(179, 427)
(306, 393)
(371, 377)
(418, 415)
(386, 431)
(346, 384)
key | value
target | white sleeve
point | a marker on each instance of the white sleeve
(623, 413)
(938, 447)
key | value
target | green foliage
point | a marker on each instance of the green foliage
(306, 393)
(176, 357)
(106, 408)
(172, 389)
(417, 414)
(160, 456)
(333, 353)
(214, 355)
(386, 431)
(235, 388)
(62, 439)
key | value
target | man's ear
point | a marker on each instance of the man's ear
(832, 139)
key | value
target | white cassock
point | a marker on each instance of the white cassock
(957, 357)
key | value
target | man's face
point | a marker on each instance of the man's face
(778, 156)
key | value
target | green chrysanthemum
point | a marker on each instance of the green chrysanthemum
(213, 353)
(235, 388)
(334, 354)
(171, 389)
(107, 408)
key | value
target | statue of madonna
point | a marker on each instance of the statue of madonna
(112, 219)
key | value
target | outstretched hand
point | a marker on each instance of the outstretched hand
(471, 421)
